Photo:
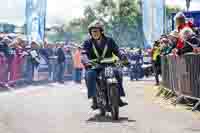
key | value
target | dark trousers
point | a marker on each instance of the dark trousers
(135, 72)
(60, 72)
(91, 76)
(78, 75)
(157, 71)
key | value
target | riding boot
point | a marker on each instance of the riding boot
(122, 103)
(94, 103)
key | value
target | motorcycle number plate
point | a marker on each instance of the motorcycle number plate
(133, 62)
(109, 72)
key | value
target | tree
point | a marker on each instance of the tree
(123, 22)
(170, 10)
(127, 24)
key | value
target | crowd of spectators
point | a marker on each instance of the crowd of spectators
(184, 39)
(20, 60)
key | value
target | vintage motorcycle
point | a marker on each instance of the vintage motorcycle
(107, 88)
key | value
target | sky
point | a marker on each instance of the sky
(59, 11)
(195, 4)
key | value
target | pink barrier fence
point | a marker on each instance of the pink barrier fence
(3, 69)
(15, 69)
(11, 69)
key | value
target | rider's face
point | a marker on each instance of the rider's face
(96, 34)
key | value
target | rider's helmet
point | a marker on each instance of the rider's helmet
(96, 24)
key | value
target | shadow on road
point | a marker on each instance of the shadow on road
(107, 118)
(4, 89)
(22, 85)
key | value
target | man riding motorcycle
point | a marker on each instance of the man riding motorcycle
(99, 47)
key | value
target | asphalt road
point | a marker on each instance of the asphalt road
(56, 108)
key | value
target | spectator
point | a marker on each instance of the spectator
(52, 62)
(4, 46)
(189, 41)
(69, 61)
(78, 66)
(156, 61)
(182, 26)
(170, 43)
(164, 43)
(4, 64)
(35, 53)
(136, 62)
(16, 62)
(61, 64)
(34, 60)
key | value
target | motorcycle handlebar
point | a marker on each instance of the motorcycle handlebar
(118, 63)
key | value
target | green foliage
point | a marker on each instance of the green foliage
(170, 10)
(58, 36)
(122, 21)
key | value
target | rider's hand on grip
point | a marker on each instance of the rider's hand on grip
(99, 60)
(125, 62)
(87, 66)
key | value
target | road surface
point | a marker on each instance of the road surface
(56, 108)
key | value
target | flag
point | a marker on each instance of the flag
(35, 20)
(147, 26)
(153, 20)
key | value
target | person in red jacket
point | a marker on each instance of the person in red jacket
(181, 24)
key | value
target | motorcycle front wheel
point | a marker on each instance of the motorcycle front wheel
(102, 112)
(114, 99)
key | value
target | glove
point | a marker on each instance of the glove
(87, 66)
(125, 62)
(99, 60)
